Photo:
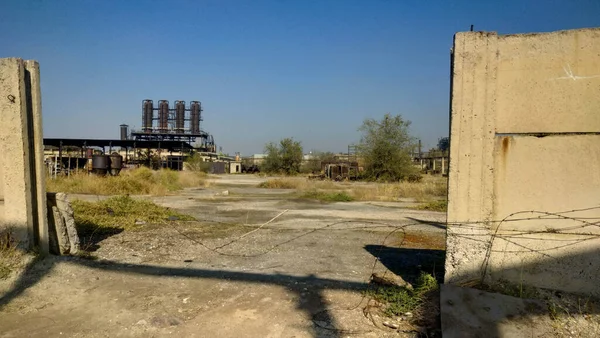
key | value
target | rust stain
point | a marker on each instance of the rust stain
(505, 145)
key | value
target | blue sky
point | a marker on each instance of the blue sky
(264, 70)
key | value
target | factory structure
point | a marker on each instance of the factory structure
(169, 135)
(165, 123)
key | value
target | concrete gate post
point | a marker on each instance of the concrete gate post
(22, 185)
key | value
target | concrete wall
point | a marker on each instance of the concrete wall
(525, 142)
(21, 153)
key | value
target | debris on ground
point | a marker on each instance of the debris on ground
(390, 279)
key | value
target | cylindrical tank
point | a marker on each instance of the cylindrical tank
(147, 115)
(124, 131)
(163, 115)
(179, 116)
(116, 164)
(195, 111)
(100, 164)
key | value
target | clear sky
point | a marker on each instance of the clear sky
(264, 70)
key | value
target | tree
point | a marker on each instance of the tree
(444, 144)
(385, 148)
(285, 157)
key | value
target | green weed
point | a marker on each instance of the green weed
(399, 300)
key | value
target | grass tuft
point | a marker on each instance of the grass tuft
(141, 181)
(425, 283)
(327, 196)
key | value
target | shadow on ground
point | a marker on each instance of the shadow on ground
(312, 302)
(405, 262)
(409, 263)
(90, 237)
(439, 225)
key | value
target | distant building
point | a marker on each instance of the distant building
(235, 167)
(255, 159)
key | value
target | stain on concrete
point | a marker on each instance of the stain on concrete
(505, 146)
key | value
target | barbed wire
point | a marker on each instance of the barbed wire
(480, 229)
(488, 231)
(543, 215)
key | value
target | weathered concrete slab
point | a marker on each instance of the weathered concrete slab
(38, 168)
(66, 212)
(524, 160)
(474, 313)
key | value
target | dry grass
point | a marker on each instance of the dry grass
(11, 258)
(142, 181)
(121, 212)
(298, 183)
(320, 195)
(428, 189)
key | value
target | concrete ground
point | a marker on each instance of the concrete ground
(301, 275)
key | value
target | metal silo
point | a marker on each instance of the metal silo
(163, 116)
(179, 116)
(147, 115)
(195, 111)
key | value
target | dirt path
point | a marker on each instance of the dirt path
(299, 276)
